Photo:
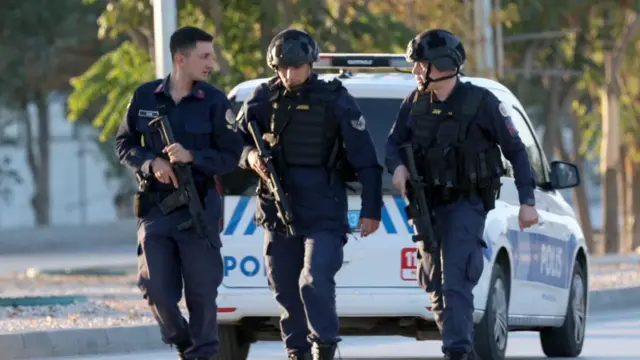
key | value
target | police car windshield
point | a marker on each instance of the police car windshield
(379, 113)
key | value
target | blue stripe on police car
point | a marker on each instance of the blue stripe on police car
(240, 212)
(536, 257)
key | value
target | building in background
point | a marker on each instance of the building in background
(80, 191)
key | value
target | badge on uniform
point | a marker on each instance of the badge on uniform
(507, 120)
(503, 110)
(359, 124)
(148, 113)
(232, 123)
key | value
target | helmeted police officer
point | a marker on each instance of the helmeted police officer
(207, 139)
(455, 129)
(309, 121)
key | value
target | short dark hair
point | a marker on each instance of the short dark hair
(185, 39)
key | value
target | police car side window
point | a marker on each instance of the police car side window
(380, 113)
(530, 144)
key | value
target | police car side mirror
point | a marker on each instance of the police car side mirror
(564, 175)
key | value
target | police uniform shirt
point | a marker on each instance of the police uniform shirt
(202, 122)
(360, 150)
(495, 122)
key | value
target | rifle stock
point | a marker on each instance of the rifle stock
(273, 181)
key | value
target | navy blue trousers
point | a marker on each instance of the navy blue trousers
(450, 276)
(167, 258)
(301, 273)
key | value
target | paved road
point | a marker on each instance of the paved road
(609, 336)
(112, 256)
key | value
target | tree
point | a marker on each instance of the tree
(242, 29)
(549, 47)
(44, 43)
(617, 164)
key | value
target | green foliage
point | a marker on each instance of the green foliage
(241, 36)
(114, 77)
(43, 43)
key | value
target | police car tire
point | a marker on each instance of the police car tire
(485, 339)
(233, 345)
(561, 341)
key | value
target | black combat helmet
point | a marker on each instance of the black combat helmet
(441, 49)
(292, 47)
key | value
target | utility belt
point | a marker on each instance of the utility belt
(144, 201)
(441, 196)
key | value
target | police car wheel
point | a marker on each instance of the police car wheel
(234, 345)
(492, 333)
(567, 340)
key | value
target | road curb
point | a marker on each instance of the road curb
(603, 300)
(127, 339)
(73, 342)
(68, 238)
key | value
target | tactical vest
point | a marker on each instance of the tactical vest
(303, 126)
(457, 156)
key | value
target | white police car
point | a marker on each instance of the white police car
(534, 280)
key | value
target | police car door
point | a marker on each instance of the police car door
(387, 258)
(540, 254)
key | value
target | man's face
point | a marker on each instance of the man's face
(197, 63)
(420, 73)
(293, 76)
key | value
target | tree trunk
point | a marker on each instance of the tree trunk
(268, 24)
(42, 196)
(610, 158)
(626, 189)
(635, 205)
(216, 13)
(580, 193)
(287, 12)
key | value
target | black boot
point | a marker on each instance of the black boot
(323, 352)
(182, 348)
(300, 356)
(458, 355)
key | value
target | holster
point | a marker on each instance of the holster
(142, 204)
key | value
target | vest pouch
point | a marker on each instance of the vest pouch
(488, 167)
(150, 135)
(449, 170)
(435, 164)
(468, 169)
(199, 133)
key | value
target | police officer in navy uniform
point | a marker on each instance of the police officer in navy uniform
(455, 129)
(323, 119)
(207, 139)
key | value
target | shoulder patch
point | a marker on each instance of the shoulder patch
(232, 123)
(359, 124)
(503, 110)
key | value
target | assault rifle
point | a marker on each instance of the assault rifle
(418, 209)
(186, 193)
(273, 181)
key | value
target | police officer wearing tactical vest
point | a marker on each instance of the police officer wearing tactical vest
(318, 131)
(455, 129)
(207, 139)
